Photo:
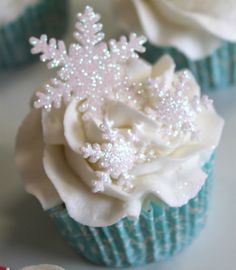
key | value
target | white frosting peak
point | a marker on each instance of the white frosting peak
(196, 28)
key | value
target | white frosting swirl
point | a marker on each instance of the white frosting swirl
(140, 151)
(195, 27)
(42, 267)
(11, 9)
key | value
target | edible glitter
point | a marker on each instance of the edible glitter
(173, 108)
(90, 70)
(115, 158)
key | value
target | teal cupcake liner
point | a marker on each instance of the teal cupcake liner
(218, 70)
(159, 233)
(46, 17)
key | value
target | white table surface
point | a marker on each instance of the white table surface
(28, 237)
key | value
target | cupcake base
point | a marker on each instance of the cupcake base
(159, 233)
(46, 17)
(218, 70)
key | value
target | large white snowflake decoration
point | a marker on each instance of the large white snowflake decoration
(114, 158)
(90, 70)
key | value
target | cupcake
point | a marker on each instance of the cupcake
(21, 19)
(37, 267)
(118, 152)
(42, 267)
(199, 35)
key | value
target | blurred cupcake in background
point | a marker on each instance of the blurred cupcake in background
(199, 35)
(36, 267)
(20, 19)
(42, 267)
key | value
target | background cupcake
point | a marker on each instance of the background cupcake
(42, 267)
(20, 19)
(123, 151)
(199, 35)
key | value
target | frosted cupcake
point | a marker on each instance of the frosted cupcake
(20, 19)
(42, 267)
(199, 35)
(37, 267)
(118, 152)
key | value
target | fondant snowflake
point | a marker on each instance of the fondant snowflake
(114, 158)
(173, 107)
(90, 70)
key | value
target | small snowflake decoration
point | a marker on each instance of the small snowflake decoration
(115, 158)
(173, 108)
(90, 70)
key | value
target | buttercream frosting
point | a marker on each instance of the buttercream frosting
(196, 28)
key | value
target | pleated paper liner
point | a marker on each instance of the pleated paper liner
(217, 71)
(159, 233)
(46, 17)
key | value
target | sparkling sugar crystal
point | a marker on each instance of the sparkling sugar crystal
(114, 159)
(173, 107)
(90, 70)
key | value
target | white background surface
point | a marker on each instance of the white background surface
(28, 237)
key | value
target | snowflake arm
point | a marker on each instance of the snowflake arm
(55, 92)
(206, 101)
(92, 152)
(98, 184)
(123, 50)
(109, 133)
(89, 31)
(51, 50)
